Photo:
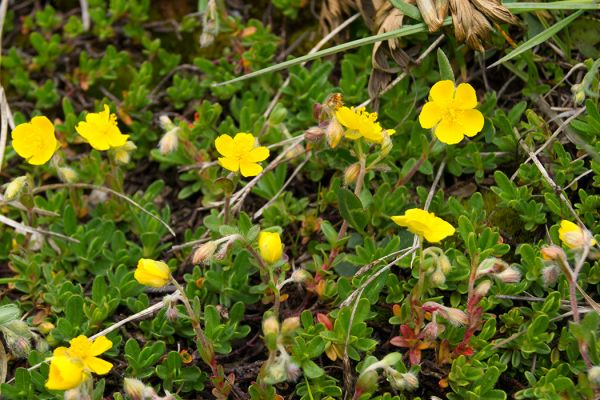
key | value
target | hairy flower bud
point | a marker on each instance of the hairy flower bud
(290, 325)
(204, 252)
(438, 278)
(122, 154)
(551, 253)
(594, 376)
(509, 275)
(407, 381)
(334, 133)
(301, 276)
(67, 174)
(351, 173)
(137, 390)
(169, 141)
(550, 274)
(313, 134)
(483, 288)
(14, 188)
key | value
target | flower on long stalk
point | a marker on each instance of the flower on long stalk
(35, 140)
(241, 153)
(574, 236)
(152, 273)
(451, 112)
(70, 367)
(425, 224)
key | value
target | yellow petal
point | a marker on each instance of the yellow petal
(229, 163)
(439, 231)
(60, 352)
(347, 117)
(449, 132)
(98, 365)
(442, 92)
(471, 121)
(100, 345)
(65, 374)
(225, 145)
(244, 142)
(465, 97)
(250, 168)
(257, 154)
(93, 135)
(431, 113)
(115, 138)
(352, 134)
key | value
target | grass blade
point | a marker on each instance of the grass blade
(538, 39)
(404, 31)
(518, 8)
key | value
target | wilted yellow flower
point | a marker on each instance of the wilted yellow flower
(269, 244)
(152, 273)
(69, 367)
(101, 131)
(574, 236)
(35, 140)
(361, 123)
(426, 224)
(452, 112)
(240, 153)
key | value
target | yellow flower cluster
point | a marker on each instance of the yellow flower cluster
(69, 367)
(451, 112)
(36, 143)
(241, 153)
(361, 123)
(425, 224)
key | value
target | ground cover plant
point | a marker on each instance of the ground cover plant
(333, 199)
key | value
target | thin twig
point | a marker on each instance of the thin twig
(85, 15)
(17, 225)
(103, 189)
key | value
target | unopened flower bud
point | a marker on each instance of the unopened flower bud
(509, 275)
(386, 143)
(204, 252)
(367, 381)
(407, 381)
(431, 331)
(594, 376)
(41, 345)
(14, 188)
(137, 390)
(290, 325)
(75, 394)
(334, 133)
(491, 265)
(18, 345)
(438, 278)
(169, 141)
(483, 288)
(165, 123)
(550, 274)
(551, 253)
(301, 276)
(313, 134)
(172, 313)
(270, 329)
(67, 174)
(456, 317)
(123, 154)
(351, 173)
(294, 152)
(444, 264)
(45, 327)
(578, 93)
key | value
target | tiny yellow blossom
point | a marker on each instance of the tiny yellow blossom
(152, 273)
(361, 123)
(426, 224)
(240, 153)
(270, 246)
(574, 236)
(35, 140)
(451, 111)
(71, 366)
(101, 131)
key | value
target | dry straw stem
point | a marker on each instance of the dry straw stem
(145, 312)
(17, 225)
(103, 189)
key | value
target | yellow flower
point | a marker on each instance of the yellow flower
(152, 273)
(423, 223)
(241, 153)
(65, 374)
(270, 246)
(71, 366)
(452, 112)
(35, 140)
(101, 130)
(574, 236)
(361, 123)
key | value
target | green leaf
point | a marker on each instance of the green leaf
(538, 39)
(352, 210)
(407, 9)
(446, 72)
